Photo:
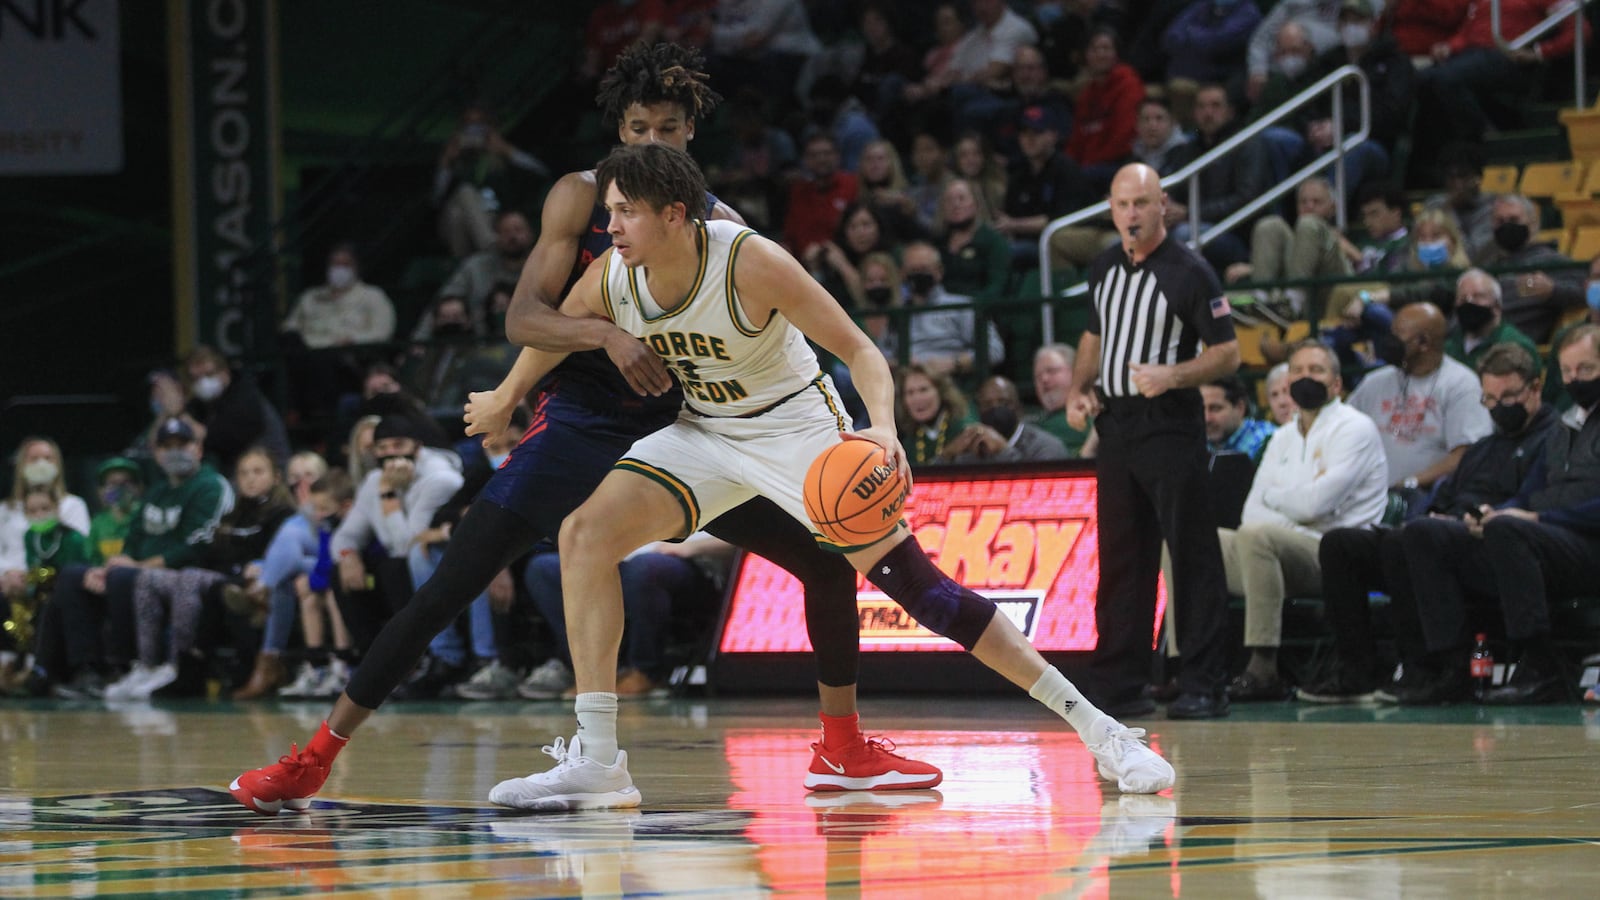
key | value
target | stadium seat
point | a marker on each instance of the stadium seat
(1499, 179)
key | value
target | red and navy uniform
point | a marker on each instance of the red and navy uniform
(585, 418)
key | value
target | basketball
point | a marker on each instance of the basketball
(853, 495)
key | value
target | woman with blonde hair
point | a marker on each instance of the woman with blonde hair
(976, 258)
(358, 459)
(37, 464)
(976, 162)
(929, 412)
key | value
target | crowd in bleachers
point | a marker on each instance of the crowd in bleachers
(910, 155)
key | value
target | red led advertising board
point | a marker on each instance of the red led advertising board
(1027, 539)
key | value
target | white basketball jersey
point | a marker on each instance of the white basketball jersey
(726, 365)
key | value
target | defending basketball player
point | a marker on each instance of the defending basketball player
(730, 312)
(592, 407)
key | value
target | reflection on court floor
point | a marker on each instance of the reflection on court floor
(1273, 807)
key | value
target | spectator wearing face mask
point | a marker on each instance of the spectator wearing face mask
(48, 547)
(341, 312)
(474, 280)
(177, 521)
(1436, 245)
(1533, 300)
(37, 464)
(1319, 22)
(942, 342)
(1479, 322)
(167, 602)
(1426, 405)
(394, 504)
(344, 310)
(120, 496)
(1000, 435)
(227, 412)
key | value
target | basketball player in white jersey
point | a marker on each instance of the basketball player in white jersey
(729, 312)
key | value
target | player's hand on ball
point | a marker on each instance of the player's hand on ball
(487, 413)
(644, 371)
(890, 442)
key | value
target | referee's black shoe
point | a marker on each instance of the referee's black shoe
(1196, 705)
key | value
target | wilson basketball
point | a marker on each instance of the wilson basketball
(853, 495)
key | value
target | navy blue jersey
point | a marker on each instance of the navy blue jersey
(588, 378)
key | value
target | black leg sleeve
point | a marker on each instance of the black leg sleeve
(488, 539)
(832, 622)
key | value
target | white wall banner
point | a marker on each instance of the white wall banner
(60, 87)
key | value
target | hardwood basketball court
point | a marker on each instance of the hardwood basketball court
(1281, 800)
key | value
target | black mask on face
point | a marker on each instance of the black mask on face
(1001, 418)
(450, 329)
(1308, 393)
(962, 225)
(1391, 350)
(921, 283)
(879, 296)
(1585, 393)
(1474, 318)
(1511, 236)
(1509, 417)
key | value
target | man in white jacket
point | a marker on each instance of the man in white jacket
(395, 503)
(1324, 470)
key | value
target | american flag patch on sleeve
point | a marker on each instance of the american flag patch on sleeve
(1220, 307)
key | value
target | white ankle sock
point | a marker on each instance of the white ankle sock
(1061, 697)
(597, 725)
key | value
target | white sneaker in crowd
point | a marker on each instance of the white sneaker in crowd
(492, 681)
(547, 682)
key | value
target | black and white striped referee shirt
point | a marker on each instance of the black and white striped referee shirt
(1158, 311)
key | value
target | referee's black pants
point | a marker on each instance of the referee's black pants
(1153, 487)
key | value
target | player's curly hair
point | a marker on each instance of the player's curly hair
(656, 175)
(647, 74)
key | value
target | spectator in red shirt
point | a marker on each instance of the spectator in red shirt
(1470, 64)
(818, 197)
(1418, 25)
(615, 24)
(1107, 113)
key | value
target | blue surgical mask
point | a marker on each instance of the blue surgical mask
(1433, 254)
(496, 460)
(1593, 295)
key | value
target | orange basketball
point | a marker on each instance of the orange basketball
(853, 495)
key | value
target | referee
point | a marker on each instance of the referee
(1155, 302)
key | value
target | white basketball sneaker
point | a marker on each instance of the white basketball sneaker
(576, 782)
(1122, 756)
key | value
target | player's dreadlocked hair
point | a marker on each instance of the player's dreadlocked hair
(655, 175)
(647, 74)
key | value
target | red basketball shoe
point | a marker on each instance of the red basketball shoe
(869, 764)
(291, 782)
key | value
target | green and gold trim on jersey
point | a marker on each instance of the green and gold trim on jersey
(674, 485)
(831, 402)
(735, 311)
(605, 286)
(704, 244)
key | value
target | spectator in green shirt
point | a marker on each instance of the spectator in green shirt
(176, 523)
(121, 487)
(1480, 322)
(1052, 381)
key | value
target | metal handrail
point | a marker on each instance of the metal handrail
(1573, 9)
(1191, 174)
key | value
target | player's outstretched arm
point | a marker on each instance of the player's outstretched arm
(533, 321)
(769, 280)
(488, 412)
